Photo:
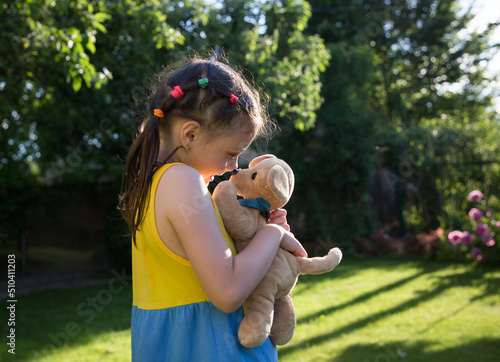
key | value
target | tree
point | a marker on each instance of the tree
(69, 63)
(394, 97)
(75, 75)
(42, 51)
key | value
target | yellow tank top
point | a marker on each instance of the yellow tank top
(161, 278)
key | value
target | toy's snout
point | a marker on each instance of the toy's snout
(235, 172)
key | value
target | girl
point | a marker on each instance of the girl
(188, 282)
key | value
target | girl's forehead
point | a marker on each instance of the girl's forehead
(237, 140)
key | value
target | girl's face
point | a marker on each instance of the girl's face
(213, 156)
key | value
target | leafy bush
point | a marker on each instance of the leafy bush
(480, 241)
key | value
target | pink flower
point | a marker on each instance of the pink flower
(474, 195)
(476, 253)
(467, 238)
(490, 242)
(497, 224)
(481, 229)
(455, 237)
(488, 239)
(475, 214)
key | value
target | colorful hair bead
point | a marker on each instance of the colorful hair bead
(158, 113)
(233, 98)
(177, 92)
(203, 82)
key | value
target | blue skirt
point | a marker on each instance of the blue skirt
(193, 332)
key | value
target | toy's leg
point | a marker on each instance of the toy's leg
(320, 265)
(256, 324)
(284, 321)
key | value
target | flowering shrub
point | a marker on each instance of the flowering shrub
(379, 243)
(425, 244)
(482, 237)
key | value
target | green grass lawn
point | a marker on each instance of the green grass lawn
(365, 310)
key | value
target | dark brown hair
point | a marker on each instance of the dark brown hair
(210, 106)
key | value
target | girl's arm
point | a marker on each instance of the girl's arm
(227, 279)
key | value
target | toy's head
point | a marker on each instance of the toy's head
(267, 177)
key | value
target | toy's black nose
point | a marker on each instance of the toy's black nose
(235, 171)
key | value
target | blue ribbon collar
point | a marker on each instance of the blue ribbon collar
(260, 204)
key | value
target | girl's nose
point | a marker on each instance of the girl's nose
(232, 165)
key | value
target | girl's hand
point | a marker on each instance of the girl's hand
(278, 217)
(289, 243)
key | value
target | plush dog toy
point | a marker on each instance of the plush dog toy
(266, 185)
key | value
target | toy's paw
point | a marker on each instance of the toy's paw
(284, 321)
(251, 334)
(225, 189)
(335, 256)
(281, 335)
(282, 338)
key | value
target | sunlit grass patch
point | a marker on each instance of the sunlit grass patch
(365, 310)
(386, 309)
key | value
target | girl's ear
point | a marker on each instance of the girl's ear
(188, 131)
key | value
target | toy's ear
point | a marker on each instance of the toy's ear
(256, 160)
(277, 179)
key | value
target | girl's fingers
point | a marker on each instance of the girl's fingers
(289, 243)
(278, 217)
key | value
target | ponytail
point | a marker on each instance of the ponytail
(141, 163)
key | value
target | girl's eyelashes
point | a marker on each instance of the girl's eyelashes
(232, 155)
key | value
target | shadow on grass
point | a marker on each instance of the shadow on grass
(362, 298)
(487, 348)
(49, 320)
(352, 264)
(480, 278)
(355, 265)
(470, 277)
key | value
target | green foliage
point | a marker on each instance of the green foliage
(435, 95)
(77, 72)
(272, 45)
(74, 76)
(333, 162)
(477, 238)
(288, 62)
(405, 89)
(441, 161)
